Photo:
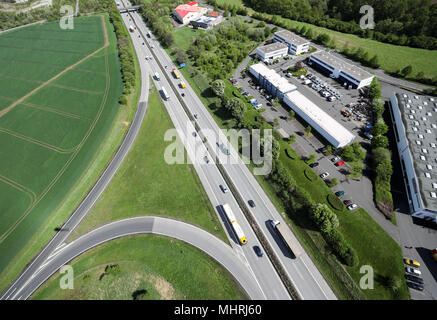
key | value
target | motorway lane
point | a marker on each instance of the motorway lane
(188, 233)
(211, 178)
(303, 273)
(17, 287)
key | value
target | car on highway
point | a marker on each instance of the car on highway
(251, 203)
(206, 159)
(412, 271)
(415, 286)
(258, 251)
(412, 262)
(195, 115)
(414, 278)
(314, 164)
(324, 175)
(339, 193)
(224, 188)
(352, 206)
(340, 163)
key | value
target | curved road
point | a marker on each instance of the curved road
(188, 233)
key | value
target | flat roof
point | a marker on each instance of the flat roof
(290, 36)
(273, 77)
(205, 19)
(340, 64)
(419, 116)
(273, 47)
(321, 118)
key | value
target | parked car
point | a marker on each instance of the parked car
(224, 188)
(412, 262)
(339, 193)
(340, 163)
(335, 159)
(324, 175)
(368, 135)
(412, 271)
(414, 278)
(251, 203)
(347, 202)
(352, 206)
(258, 251)
(314, 164)
(415, 286)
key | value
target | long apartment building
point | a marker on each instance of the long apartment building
(415, 127)
(338, 69)
(296, 45)
(318, 119)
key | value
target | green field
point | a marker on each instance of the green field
(146, 185)
(50, 137)
(161, 266)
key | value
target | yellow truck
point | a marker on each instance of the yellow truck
(182, 84)
(176, 73)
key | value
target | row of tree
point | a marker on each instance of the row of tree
(157, 19)
(412, 23)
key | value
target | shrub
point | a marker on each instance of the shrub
(310, 175)
(335, 202)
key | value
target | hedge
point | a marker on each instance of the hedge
(335, 202)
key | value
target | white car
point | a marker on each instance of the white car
(413, 271)
(352, 206)
(324, 175)
(224, 188)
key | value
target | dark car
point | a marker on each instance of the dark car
(314, 164)
(258, 251)
(415, 286)
(414, 278)
(347, 202)
(339, 193)
(251, 203)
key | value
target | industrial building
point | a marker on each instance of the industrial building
(338, 69)
(272, 51)
(267, 78)
(206, 22)
(328, 127)
(415, 125)
(189, 11)
(296, 45)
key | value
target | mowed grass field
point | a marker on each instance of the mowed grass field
(161, 266)
(50, 128)
(146, 185)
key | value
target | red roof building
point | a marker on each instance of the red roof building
(188, 11)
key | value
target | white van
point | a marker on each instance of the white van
(156, 75)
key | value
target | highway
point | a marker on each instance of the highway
(303, 273)
(188, 233)
(15, 291)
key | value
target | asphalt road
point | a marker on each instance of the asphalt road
(188, 233)
(20, 285)
(303, 273)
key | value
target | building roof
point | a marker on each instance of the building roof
(321, 118)
(291, 37)
(204, 19)
(187, 8)
(273, 77)
(213, 14)
(419, 117)
(273, 47)
(340, 64)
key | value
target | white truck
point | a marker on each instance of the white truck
(165, 94)
(285, 234)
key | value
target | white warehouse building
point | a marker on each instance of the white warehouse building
(414, 121)
(270, 80)
(272, 51)
(296, 45)
(338, 69)
(328, 127)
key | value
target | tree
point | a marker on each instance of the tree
(236, 107)
(407, 71)
(374, 62)
(218, 86)
(293, 138)
(379, 129)
(324, 218)
(308, 131)
(380, 141)
(311, 158)
(292, 114)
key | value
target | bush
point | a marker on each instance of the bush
(341, 248)
(310, 175)
(335, 202)
(332, 182)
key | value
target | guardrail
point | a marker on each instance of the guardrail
(257, 230)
